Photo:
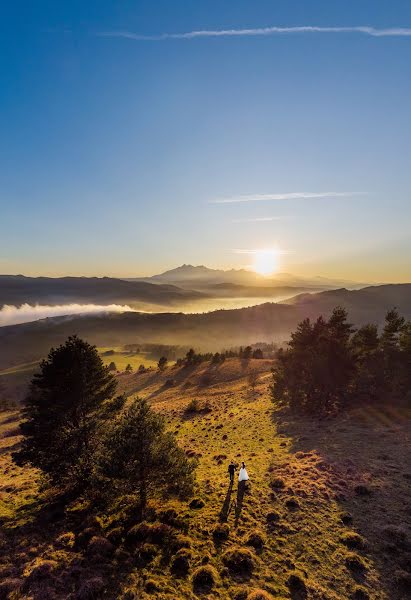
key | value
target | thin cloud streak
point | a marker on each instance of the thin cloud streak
(287, 196)
(261, 31)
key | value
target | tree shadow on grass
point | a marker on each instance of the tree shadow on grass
(360, 461)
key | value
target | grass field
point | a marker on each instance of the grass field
(325, 515)
(122, 358)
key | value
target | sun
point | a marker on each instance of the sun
(266, 262)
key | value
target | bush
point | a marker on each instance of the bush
(355, 563)
(239, 561)
(197, 503)
(256, 540)
(180, 564)
(193, 406)
(91, 588)
(296, 585)
(352, 540)
(156, 533)
(221, 533)
(99, 546)
(273, 517)
(259, 595)
(204, 578)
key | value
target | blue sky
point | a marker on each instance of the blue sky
(116, 151)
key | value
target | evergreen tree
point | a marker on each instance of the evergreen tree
(369, 377)
(112, 366)
(137, 454)
(68, 399)
(314, 373)
(129, 368)
(162, 363)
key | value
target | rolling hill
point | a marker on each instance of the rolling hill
(18, 289)
(325, 515)
(213, 331)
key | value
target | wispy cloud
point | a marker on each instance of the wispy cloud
(287, 196)
(261, 31)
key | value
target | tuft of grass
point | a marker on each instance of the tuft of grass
(352, 540)
(204, 578)
(259, 595)
(239, 561)
(221, 532)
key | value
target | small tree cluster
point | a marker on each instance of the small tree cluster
(329, 364)
(78, 434)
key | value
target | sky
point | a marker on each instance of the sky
(139, 135)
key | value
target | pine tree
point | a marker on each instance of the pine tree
(68, 399)
(162, 363)
(137, 454)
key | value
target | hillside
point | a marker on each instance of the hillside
(325, 515)
(18, 289)
(364, 306)
(222, 328)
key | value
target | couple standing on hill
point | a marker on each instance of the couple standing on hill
(242, 476)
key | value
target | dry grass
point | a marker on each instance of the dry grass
(299, 529)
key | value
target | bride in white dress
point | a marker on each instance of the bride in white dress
(243, 475)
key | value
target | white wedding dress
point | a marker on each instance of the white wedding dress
(243, 475)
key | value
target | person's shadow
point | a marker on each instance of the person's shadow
(239, 503)
(225, 510)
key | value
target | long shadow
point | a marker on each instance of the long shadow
(365, 456)
(239, 503)
(225, 510)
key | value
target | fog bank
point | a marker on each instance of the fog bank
(13, 315)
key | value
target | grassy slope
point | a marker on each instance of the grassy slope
(318, 466)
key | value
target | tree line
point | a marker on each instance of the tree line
(329, 365)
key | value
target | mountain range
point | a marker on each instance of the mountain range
(198, 277)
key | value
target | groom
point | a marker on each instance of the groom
(231, 470)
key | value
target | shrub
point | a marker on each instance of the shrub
(360, 593)
(147, 552)
(221, 532)
(239, 561)
(91, 588)
(204, 578)
(193, 406)
(362, 490)
(273, 517)
(99, 546)
(296, 585)
(352, 540)
(67, 540)
(180, 564)
(278, 483)
(156, 533)
(256, 540)
(259, 595)
(197, 503)
(355, 563)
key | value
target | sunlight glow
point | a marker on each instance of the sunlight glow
(266, 262)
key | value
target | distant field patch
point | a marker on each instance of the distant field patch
(121, 358)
